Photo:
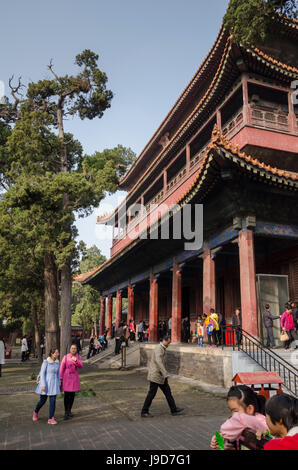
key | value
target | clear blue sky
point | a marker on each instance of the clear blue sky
(148, 49)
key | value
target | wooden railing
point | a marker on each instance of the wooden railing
(259, 117)
(256, 116)
(234, 124)
(269, 119)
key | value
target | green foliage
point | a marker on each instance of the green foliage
(92, 258)
(120, 157)
(256, 21)
(45, 179)
(86, 300)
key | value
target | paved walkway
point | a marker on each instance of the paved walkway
(110, 419)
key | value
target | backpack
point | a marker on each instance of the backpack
(210, 327)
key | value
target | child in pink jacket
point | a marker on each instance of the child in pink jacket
(70, 378)
(247, 410)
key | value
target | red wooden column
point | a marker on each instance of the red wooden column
(153, 308)
(109, 315)
(176, 303)
(131, 306)
(246, 113)
(118, 308)
(102, 315)
(209, 291)
(248, 282)
(187, 158)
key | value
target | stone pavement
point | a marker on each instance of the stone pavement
(110, 419)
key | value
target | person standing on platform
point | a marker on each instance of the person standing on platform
(141, 331)
(208, 325)
(287, 324)
(70, 378)
(132, 331)
(185, 330)
(158, 377)
(268, 323)
(2, 354)
(237, 325)
(215, 332)
(119, 337)
(220, 332)
(200, 333)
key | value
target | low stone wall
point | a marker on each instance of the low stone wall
(211, 366)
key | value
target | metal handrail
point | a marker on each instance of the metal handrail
(262, 356)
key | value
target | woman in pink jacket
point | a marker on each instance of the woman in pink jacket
(288, 325)
(70, 378)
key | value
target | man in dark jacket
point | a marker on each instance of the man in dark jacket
(119, 337)
(268, 322)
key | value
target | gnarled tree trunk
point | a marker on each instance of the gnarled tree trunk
(51, 303)
(66, 295)
(36, 332)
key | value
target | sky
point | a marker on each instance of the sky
(149, 50)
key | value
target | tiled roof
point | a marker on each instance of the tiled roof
(207, 96)
(291, 23)
(218, 142)
(103, 218)
(221, 36)
(274, 61)
(84, 276)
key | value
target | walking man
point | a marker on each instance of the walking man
(158, 377)
(268, 322)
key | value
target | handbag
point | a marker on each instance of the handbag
(284, 336)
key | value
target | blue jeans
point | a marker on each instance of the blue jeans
(52, 407)
(200, 341)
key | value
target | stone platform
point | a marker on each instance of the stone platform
(211, 366)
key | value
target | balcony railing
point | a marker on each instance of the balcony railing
(256, 116)
(259, 117)
(234, 124)
(269, 119)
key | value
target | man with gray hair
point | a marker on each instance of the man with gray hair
(158, 377)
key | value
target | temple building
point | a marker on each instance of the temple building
(230, 144)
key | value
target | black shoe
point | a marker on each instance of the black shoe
(146, 415)
(66, 416)
(177, 411)
(70, 415)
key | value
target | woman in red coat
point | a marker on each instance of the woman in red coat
(70, 378)
(282, 421)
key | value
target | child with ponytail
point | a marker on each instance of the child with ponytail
(248, 412)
